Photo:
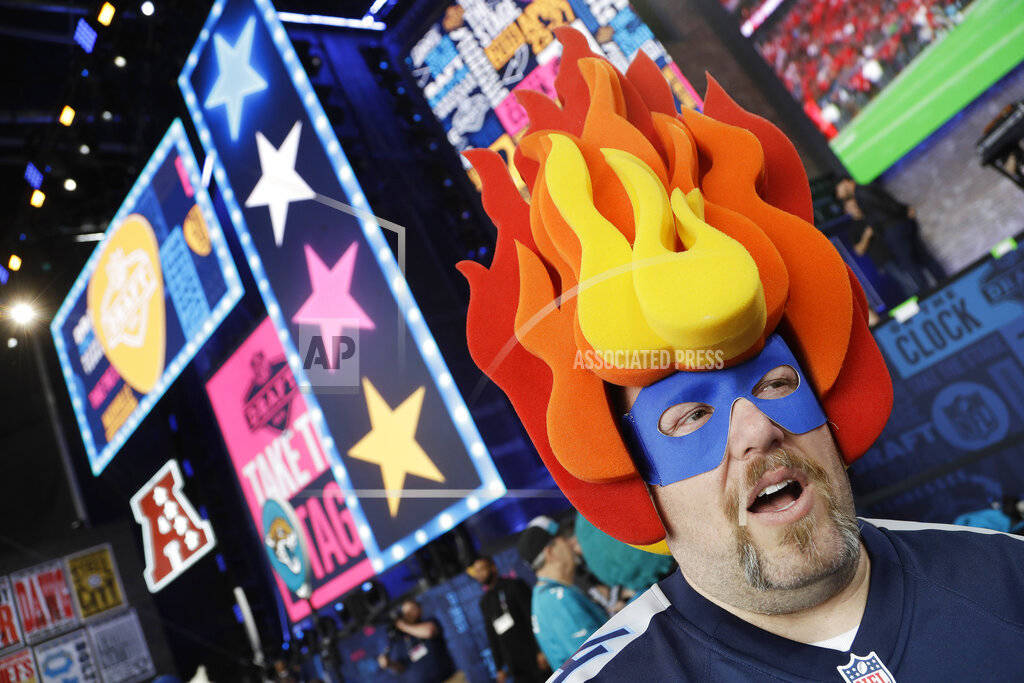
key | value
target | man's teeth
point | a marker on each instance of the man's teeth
(768, 490)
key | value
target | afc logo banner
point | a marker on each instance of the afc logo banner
(867, 669)
(173, 534)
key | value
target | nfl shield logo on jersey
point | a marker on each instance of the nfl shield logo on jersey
(865, 670)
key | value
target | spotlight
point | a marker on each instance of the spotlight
(11, 342)
(14, 263)
(120, 61)
(70, 185)
(23, 314)
(147, 8)
(67, 115)
(38, 197)
(106, 14)
(83, 149)
(107, 116)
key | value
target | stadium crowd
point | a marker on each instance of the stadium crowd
(835, 56)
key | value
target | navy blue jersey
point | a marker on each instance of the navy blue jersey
(944, 603)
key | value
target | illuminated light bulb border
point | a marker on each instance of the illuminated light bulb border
(491, 487)
(175, 139)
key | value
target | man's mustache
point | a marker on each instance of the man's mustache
(776, 459)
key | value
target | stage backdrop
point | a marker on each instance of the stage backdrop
(471, 63)
(952, 444)
(402, 444)
(156, 287)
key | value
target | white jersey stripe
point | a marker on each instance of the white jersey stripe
(610, 639)
(903, 525)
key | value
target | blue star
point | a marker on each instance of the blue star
(236, 79)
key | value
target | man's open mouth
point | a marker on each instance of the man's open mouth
(776, 491)
(777, 497)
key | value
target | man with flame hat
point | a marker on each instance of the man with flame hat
(692, 361)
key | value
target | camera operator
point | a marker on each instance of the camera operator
(416, 647)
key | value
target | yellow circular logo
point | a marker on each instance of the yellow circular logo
(197, 236)
(126, 303)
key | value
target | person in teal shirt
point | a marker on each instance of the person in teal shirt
(615, 563)
(563, 616)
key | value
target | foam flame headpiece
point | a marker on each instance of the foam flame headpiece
(651, 231)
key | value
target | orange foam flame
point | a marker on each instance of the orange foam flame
(731, 177)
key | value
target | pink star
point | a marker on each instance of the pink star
(331, 305)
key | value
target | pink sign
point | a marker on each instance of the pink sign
(542, 79)
(276, 450)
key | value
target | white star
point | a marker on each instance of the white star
(280, 184)
(236, 78)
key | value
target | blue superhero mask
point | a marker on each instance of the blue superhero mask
(664, 459)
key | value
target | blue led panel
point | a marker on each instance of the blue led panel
(85, 35)
(33, 175)
(402, 442)
(156, 287)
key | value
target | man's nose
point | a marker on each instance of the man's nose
(751, 432)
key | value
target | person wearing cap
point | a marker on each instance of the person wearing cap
(505, 607)
(563, 616)
(691, 358)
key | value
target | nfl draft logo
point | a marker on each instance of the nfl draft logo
(865, 670)
(269, 397)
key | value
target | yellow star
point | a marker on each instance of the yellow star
(391, 443)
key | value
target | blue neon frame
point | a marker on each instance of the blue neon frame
(175, 138)
(492, 487)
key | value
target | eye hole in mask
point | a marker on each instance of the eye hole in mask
(686, 418)
(779, 382)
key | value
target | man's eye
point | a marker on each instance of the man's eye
(777, 383)
(684, 418)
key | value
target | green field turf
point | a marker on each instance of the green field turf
(940, 82)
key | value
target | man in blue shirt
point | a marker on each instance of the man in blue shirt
(779, 581)
(563, 616)
(695, 369)
(417, 651)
